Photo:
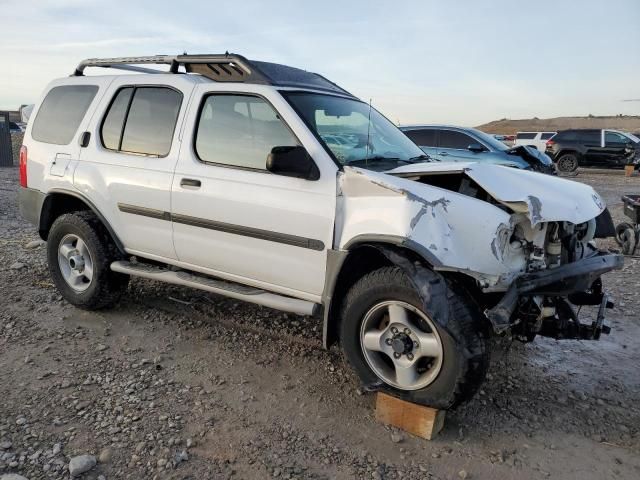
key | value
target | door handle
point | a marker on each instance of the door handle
(190, 182)
(444, 154)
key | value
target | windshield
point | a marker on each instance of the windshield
(490, 140)
(343, 125)
(632, 137)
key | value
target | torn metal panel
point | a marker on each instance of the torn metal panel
(460, 232)
(544, 198)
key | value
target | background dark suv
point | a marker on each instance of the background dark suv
(570, 149)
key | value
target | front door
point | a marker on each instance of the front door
(453, 147)
(616, 148)
(236, 219)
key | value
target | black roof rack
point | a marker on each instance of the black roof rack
(228, 67)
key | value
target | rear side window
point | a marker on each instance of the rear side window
(546, 135)
(240, 131)
(569, 136)
(142, 120)
(591, 137)
(451, 139)
(423, 138)
(61, 112)
(526, 135)
(112, 126)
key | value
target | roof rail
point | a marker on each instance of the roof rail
(227, 67)
(219, 67)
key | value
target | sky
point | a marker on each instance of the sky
(459, 62)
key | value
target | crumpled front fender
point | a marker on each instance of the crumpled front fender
(459, 232)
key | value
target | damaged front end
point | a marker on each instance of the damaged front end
(525, 240)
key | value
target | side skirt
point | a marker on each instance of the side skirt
(214, 285)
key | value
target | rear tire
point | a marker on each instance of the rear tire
(460, 351)
(79, 253)
(567, 163)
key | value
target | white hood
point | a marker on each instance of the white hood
(544, 198)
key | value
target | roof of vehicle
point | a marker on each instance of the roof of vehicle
(226, 67)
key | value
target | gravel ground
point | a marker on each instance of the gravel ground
(178, 384)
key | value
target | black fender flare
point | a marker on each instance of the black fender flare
(396, 250)
(47, 205)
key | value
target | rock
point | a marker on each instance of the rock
(21, 421)
(182, 456)
(101, 348)
(6, 445)
(463, 474)
(396, 437)
(12, 476)
(17, 266)
(190, 443)
(105, 455)
(34, 244)
(80, 464)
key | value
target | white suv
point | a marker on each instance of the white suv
(534, 139)
(275, 186)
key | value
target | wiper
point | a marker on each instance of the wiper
(421, 158)
(377, 158)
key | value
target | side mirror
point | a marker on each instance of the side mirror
(292, 162)
(476, 148)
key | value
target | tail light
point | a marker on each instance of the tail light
(23, 166)
(550, 143)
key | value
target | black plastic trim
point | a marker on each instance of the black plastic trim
(258, 233)
(94, 209)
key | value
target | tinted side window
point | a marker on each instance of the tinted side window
(614, 138)
(151, 121)
(566, 136)
(61, 112)
(423, 138)
(526, 135)
(239, 130)
(546, 135)
(111, 131)
(451, 139)
(591, 137)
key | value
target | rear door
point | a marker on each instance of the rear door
(592, 142)
(127, 168)
(235, 219)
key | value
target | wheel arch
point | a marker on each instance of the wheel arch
(360, 256)
(58, 202)
(565, 151)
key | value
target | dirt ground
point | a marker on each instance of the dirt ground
(178, 384)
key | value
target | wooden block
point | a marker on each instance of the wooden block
(424, 422)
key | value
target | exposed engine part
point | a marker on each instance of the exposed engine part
(555, 317)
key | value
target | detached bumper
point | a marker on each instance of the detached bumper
(558, 282)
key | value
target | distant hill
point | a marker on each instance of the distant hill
(505, 126)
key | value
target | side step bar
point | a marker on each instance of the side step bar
(222, 287)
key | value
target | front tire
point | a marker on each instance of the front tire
(79, 253)
(396, 344)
